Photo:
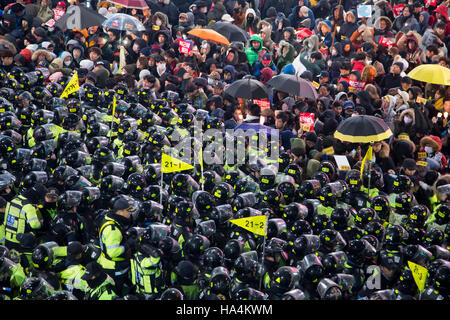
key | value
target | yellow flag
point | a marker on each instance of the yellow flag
(71, 87)
(368, 156)
(256, 224)
(419, 274)
(114, 106)
(122, 61)
(171, 164)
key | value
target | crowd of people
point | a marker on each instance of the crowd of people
(88, 215)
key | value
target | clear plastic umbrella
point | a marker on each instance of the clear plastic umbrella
(123, 22)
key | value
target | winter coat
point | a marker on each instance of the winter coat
(383, 158)
(296, 20)
(285, 54)
(414, 56)
(252, 54)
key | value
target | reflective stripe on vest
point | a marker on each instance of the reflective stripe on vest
(15, 219)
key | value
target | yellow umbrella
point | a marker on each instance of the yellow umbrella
(431, 73)
(209, 34)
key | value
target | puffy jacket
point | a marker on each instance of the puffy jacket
(252, 54)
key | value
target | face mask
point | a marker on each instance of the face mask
(369, 61)
(407, 120)
(429, 150)
(158, 23)
(67, 63)
(333, 52)
(250, 19)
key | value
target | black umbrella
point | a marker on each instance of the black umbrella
(293, 85)
(247, 89)
(363, 129)
(79, 17)
(231, 31)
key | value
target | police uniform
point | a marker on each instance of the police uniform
(115, 254)
(20, 217)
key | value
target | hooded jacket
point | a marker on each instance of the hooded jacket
(424, 25)
(327, 37)
(285, 54)
(253, 26)
(231, 70)
(348, 28)
(252, 54)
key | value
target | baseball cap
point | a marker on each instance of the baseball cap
(266, 58)
(121, 204)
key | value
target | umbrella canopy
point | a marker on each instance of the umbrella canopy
(79, 17)
(121, 21)
(209, 34)
(230, 31)
(431, 73)
(257, 127)
(132, 4)
(362, 129)
(294, 85)
(247, 89)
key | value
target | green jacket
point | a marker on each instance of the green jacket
(252, 54)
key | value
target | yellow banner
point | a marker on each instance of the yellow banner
(256, 224)
(171, 164)
(71, 87)
(419, 274)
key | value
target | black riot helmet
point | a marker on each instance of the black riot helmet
(402, 183)
(376, 179)
(172, 294)
(298, 228)
(294, 171)
(418, 215)
(382, 206)
(340, 217)
(294, 211)
(364, 216)
(220, 280)
(403, 203)
(213, 257)
(309, 189)
(195, 246)
(334, 262)
(311, 267)
(329, 168)
(322, 177)
(284, 279)
(442, 214)
(353, 179)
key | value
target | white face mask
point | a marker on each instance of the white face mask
(428, 149)
(407, 120)
(158, 23)
(67, 63)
